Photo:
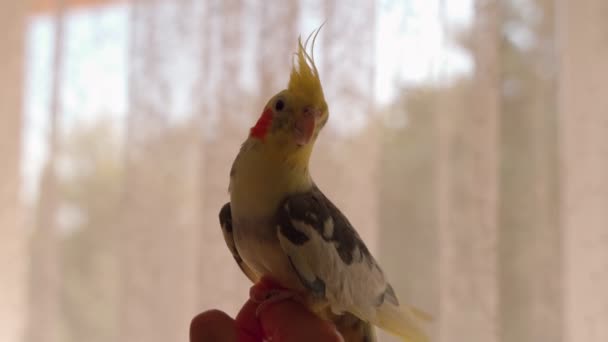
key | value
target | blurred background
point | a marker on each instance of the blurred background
(468, 144)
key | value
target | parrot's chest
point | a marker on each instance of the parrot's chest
(254, 229)
(258, 246)
(258, 185)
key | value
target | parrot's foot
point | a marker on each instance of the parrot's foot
(273, 297)
(268, 292)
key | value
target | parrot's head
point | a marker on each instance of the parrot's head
(292, 119)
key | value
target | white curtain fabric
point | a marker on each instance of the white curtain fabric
(12, 229)
(466, 144)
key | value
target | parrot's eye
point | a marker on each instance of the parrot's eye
(279, 105)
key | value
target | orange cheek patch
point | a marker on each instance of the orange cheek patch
(262, 126)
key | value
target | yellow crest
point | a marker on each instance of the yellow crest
(304, 80)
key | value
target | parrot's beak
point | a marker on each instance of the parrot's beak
(305, 125)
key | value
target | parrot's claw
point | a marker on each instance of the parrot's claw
(272, 297)
(267, 292)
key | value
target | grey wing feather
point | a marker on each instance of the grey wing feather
(226, 224)
(329, 257)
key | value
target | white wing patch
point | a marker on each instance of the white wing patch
(353, 287)
(328, 228)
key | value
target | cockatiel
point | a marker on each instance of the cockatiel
(278, 223)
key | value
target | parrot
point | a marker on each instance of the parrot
(279, 224)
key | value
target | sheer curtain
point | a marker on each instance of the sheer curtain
(466, 144)
(12, 230)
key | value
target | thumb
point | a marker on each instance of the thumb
(290, 321)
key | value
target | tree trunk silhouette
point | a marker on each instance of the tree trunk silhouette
(530, 239)
(222, 284)
(45, 278)
(160, 221)
(468, 196)
(408, 197)
(347, 146)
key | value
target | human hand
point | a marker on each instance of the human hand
(284, 321)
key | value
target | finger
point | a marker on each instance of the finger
(212, 325)
(248, 325)
(290, 321)
(285, 320)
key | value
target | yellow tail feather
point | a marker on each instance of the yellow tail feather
(403, 321)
